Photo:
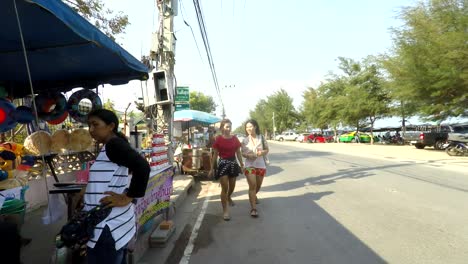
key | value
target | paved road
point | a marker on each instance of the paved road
(320, 206)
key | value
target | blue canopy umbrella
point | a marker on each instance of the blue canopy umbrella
(194, 118)
(64, 50)
(191, 118)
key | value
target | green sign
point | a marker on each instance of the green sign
(182, 94)
(182, 106)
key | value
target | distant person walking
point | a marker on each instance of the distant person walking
(228, 148)
(254, 149)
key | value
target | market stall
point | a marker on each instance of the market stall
(196, 155)
(47, 49)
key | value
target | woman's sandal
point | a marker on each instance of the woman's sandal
(226, 217)
(253, 213)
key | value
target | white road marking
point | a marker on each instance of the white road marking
(189, 248)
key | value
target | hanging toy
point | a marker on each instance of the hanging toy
(7, 115)
(7, 158)
(3, 175)
(51, 106)
(27, 162)
(74, 101)
(24, 114)
(59, 119)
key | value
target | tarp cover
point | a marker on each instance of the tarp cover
(64, 50)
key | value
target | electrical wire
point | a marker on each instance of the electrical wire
(202, 25)
(191, 29)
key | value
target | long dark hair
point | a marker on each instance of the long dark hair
(255, 124)
(108, 117)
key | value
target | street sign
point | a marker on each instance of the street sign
(182, 94)
(182, 106)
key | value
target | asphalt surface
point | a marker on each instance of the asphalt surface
(333, 203)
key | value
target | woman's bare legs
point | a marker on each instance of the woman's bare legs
(259, 180)
(252, 193)
(224, 181)
(232, 186)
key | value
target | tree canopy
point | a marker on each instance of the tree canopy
(428, 64)
(109, 22)
(201, 102)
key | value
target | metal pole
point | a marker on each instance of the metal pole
(274, 126)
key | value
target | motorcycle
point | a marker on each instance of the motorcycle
(455, 148)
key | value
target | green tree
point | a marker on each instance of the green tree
(327, 108)
(281, 104)
(375, 99)
(365, 98)
(201, 102)
(109, 105)
(428, 64)
(263, 114)
(307, 108)
(101, 17)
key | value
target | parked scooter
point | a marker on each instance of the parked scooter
(455, 148)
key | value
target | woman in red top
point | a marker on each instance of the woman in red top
(227, 147)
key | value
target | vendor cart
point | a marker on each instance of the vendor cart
(195, 160)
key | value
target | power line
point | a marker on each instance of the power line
(202, 25)
(191, 29)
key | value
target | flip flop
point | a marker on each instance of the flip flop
(226, 217)
(254, 213)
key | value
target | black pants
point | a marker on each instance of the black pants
(10, 243)
(104, 250)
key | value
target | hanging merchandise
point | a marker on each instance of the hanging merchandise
(7, 115)
(60, 141)
(34, 125)
(80, 140)
(75, 99)
(59, 119)
(38, 143)
(24, 114)
(51, 107)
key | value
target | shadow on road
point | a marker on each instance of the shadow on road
(293, 229)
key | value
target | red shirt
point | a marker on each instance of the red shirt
(227, 147)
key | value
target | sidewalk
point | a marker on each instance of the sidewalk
(427, 156)
(42, 245)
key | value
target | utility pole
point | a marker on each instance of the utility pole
(125, 121)
(163, 53)
(274, 126)
(223, 114)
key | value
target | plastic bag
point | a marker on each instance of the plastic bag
(56, 209)
(83, 175)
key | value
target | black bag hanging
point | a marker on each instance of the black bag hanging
(77, 232)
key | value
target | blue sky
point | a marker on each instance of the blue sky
(260, 46)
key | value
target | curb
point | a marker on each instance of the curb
(180, 187)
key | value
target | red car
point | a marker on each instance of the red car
(319, 138)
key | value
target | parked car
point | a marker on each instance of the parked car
(320, 138)
(302, 137)
(436, 136)
(287, 136)
(351, 137)
(458, 132)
